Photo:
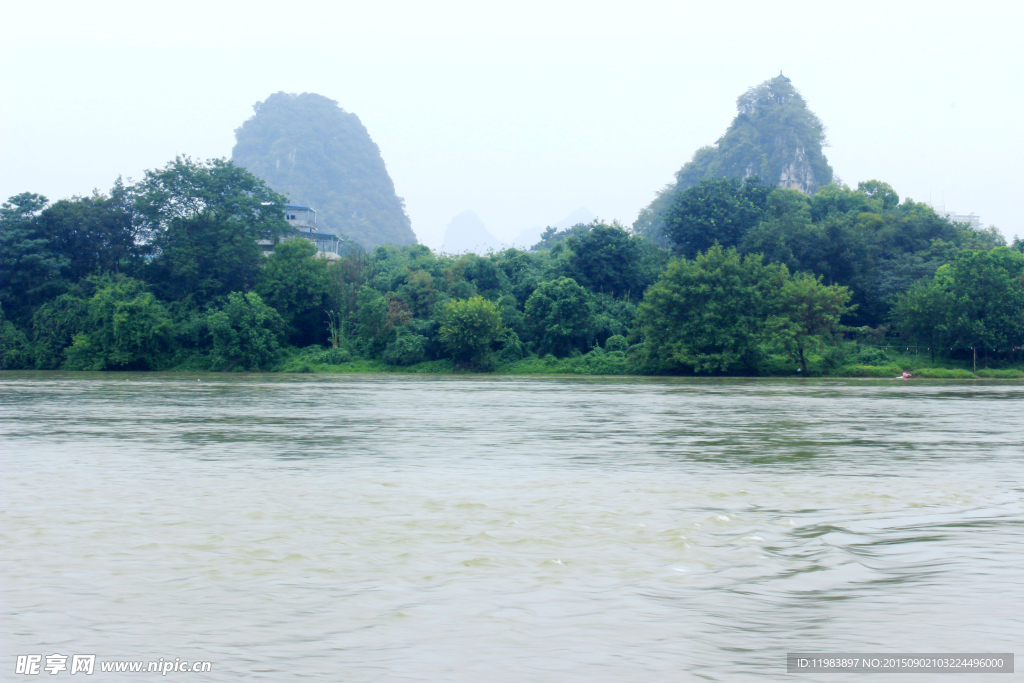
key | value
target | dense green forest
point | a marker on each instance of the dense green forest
(313, 151)
(167, 273)
(774, 137)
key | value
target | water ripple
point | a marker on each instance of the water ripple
(462, 529)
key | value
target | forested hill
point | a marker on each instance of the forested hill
(309, 148)
(774, 136)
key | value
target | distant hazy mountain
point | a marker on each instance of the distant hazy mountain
(309, 148)
(529, 237)
(466, 232)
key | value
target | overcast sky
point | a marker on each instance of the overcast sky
(520, 112)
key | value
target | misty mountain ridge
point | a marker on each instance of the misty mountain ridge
(529, 237)
(466, 232)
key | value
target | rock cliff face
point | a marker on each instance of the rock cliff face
(798, 174)
(774, 136)
(309, 148)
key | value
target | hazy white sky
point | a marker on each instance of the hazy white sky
(520, 111)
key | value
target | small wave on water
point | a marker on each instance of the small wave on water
(468, 529)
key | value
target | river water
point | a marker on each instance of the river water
(398, 528)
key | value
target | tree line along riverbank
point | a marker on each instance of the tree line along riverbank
(746, 279)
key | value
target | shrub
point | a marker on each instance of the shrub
(1009, 373)
(599, 362)
(616, 342)
(871, 355)
(127, 328)
(945, 373)
(246, 332)
(14, 346)
(54, 325)
(333, 356)
(469, 328)
(513, 349)
(871, 371)
(407, 349)
(559, 316)
(835, 357)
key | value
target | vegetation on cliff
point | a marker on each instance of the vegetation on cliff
(310, 149)
(774, 137)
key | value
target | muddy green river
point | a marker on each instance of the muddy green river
(399, 528)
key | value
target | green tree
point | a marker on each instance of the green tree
(346, 276)
(922, 315)
(882, 192)
(374, 330)
(30, 269)
(55, 324)
(127, 329)
(977, 301)
(610, 317)
(511, 316)
(606, 259)
(525, 271)
(295, 282)
(560, 316)
(808, 313)
(15, 350)
(420, 293)
(246, 333)
(469, 328)
(786, 234)
(710, 314)
(986, 291)
(94, 235)
(407, 349)
(552, 237)
(718, 210)
(484, 274)
(205, 221)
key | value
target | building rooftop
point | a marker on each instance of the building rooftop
(316, 234)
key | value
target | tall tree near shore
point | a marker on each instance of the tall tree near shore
(469, 327)
(977, 301)
(724, 312)
(560, 315)
(30, 268)
(809, 313)
(205, 220)
(709, 315)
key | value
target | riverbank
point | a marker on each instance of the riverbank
(599, 362)
(846, 360)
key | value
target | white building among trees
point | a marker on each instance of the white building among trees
(303, 221)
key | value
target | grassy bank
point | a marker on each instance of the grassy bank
(846, 362)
